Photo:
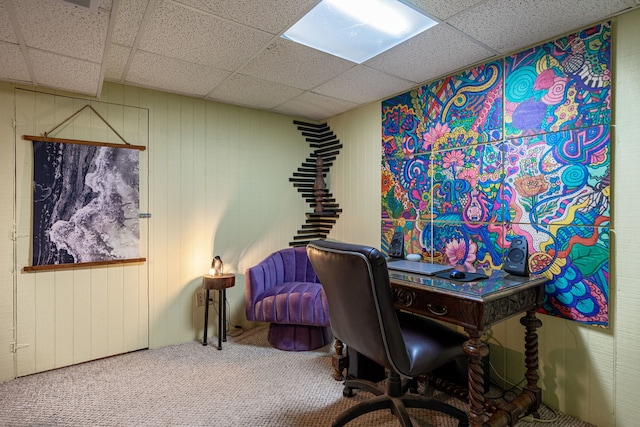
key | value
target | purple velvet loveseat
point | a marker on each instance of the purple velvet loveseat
(284, 290)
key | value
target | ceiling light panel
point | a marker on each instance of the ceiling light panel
(357, 30)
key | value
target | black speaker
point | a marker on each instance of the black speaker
(517, 259)
(396, 248)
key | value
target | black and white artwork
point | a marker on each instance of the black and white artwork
(85, 203)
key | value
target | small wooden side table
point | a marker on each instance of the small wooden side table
(219, 283)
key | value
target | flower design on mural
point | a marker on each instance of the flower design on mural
(453, 158)
(462, 253)
(431, 137)
(530, 186)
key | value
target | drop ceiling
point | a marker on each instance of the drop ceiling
(231, 51)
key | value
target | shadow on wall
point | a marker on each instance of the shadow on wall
(568, 370)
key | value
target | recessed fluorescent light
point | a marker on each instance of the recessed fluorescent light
(358, 30)
(91, 5)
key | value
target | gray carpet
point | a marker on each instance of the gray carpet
(248, 383)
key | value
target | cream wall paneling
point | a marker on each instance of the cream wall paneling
(7, 177)
(219, 185)
(71, 316)
(355, 176)
(625, 377)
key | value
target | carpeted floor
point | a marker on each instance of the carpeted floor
(248, 383)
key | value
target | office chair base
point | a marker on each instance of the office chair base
(366, 385)
(394, 400)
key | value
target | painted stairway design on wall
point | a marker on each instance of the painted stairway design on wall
(310, 182)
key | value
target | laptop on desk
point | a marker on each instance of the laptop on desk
(425, 268)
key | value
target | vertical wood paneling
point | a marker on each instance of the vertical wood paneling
(202, 252)
(600, 353)
(115, 309)
(626, 233)
(146, 237)
(219, 185)
(63, 317)
(99, 314)
(71, 316)
(130, 304)
(174, 210)
(355, 176)
(159, 252)
(514, 344)
(81, 315)
(26, 115)
(553, 361)
(44, 321)
(188, 241)
(576, 369)
(7, 177)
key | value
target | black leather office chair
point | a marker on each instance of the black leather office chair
(356, 282)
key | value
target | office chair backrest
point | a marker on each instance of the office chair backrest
(356, 282)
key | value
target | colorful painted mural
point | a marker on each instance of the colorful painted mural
(465, 168)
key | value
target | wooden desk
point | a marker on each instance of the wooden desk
(476, 306)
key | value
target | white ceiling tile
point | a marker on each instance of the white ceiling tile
(6, 30)
(106, 4)
(442, 9)
(509, 25)
(183, 33)
(130, 14)
(315, 106)
(12, 66)
(62, 72)
(362, 84)
(173, 75)
(118, 57)
(243, 90)
(292, 64)
(63, 29)
(423, 58)
(230, 50)
(273, 16)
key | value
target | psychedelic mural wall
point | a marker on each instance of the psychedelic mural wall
(514, 147)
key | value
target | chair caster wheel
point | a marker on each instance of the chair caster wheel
(347, 392)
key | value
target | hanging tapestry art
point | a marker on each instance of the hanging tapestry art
(514, 147)
(85, 202)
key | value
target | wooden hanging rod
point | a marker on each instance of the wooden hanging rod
(81, 142)
(50, 267)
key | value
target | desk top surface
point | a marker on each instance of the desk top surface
(498, 285)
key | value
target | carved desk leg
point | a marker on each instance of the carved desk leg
(531, 324)
(340, 361)
(476, 349)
